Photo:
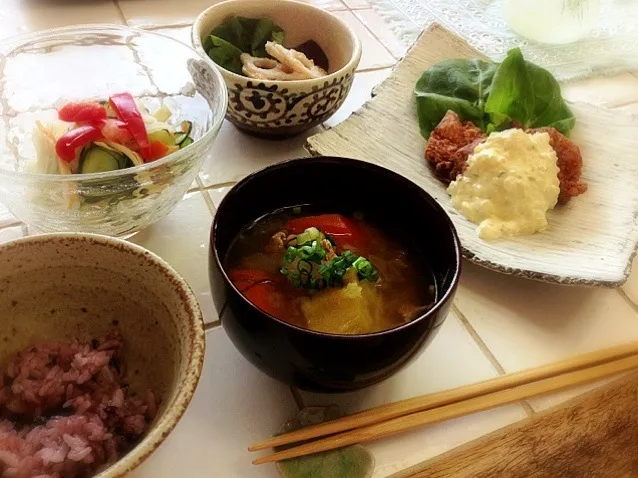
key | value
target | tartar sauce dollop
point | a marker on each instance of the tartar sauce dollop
(510, 183)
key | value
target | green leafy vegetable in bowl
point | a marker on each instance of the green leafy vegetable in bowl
(254, 47)
(226, 42)
(493, 96)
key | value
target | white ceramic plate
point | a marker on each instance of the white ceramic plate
(591, 240)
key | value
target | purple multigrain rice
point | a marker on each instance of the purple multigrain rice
(65, 411)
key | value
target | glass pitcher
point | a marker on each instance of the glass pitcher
(552, 21)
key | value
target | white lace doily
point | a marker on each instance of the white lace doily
(611, 48)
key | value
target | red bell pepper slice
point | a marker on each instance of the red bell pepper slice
(82, 113)
(346, 232)
(125, 108)
(68, 144)
(260, 288)
(157, 150)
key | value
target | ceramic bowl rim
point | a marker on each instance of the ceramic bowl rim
(350, 66)
(221, 95)
(187, 384)
(392, 176)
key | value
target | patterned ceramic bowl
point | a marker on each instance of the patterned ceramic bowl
(283, 108)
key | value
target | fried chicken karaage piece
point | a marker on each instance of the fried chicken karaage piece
(570, 164)
(450, 144)
(453, 141)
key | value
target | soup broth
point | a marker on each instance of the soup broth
(329, 272)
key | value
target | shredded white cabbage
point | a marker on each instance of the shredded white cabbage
(44, 138)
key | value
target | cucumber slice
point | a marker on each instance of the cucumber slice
(115, 149)
(98, 160)
(185, 142)
(184, 135)
(187, 127)
(123, 161)
(163, 136)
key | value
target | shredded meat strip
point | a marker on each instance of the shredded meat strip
(330, 252)
(277, 242)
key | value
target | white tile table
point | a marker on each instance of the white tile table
(498, 324)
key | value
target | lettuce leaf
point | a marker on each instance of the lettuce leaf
(226, 42)
(527, 94)
(462, 86)
(224, 53)
(493, 96)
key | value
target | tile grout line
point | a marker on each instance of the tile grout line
(354, 12)
(117, 6)
(479, 341)
(626, 298)
(487, 352)
(12, 224)
(227, 184)
(207, 199)
(376, 68)
(212, 325)
(296, 395)
(527, 407)
(166, 26)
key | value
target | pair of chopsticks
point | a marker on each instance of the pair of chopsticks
(398, 417)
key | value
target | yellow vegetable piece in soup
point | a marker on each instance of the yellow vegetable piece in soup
(510, 183)
(352, 309)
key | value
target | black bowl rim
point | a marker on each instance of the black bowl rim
(365, 165)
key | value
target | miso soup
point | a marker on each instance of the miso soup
(330, 273)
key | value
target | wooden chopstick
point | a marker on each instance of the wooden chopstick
(457, 409)
(427, 402)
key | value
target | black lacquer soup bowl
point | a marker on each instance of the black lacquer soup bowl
(318, 361)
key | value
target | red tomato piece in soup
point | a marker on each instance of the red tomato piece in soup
(346, 232)
(262, 289)
(82, 112)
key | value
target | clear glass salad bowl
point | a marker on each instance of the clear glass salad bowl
(41, 72)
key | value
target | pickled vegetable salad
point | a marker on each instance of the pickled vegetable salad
(95, 137)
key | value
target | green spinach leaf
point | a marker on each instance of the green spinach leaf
(462, 86)
(265, 30)
(226, 42)
(525, 93)
(511, 94)
(223, 53)
(492, 95)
